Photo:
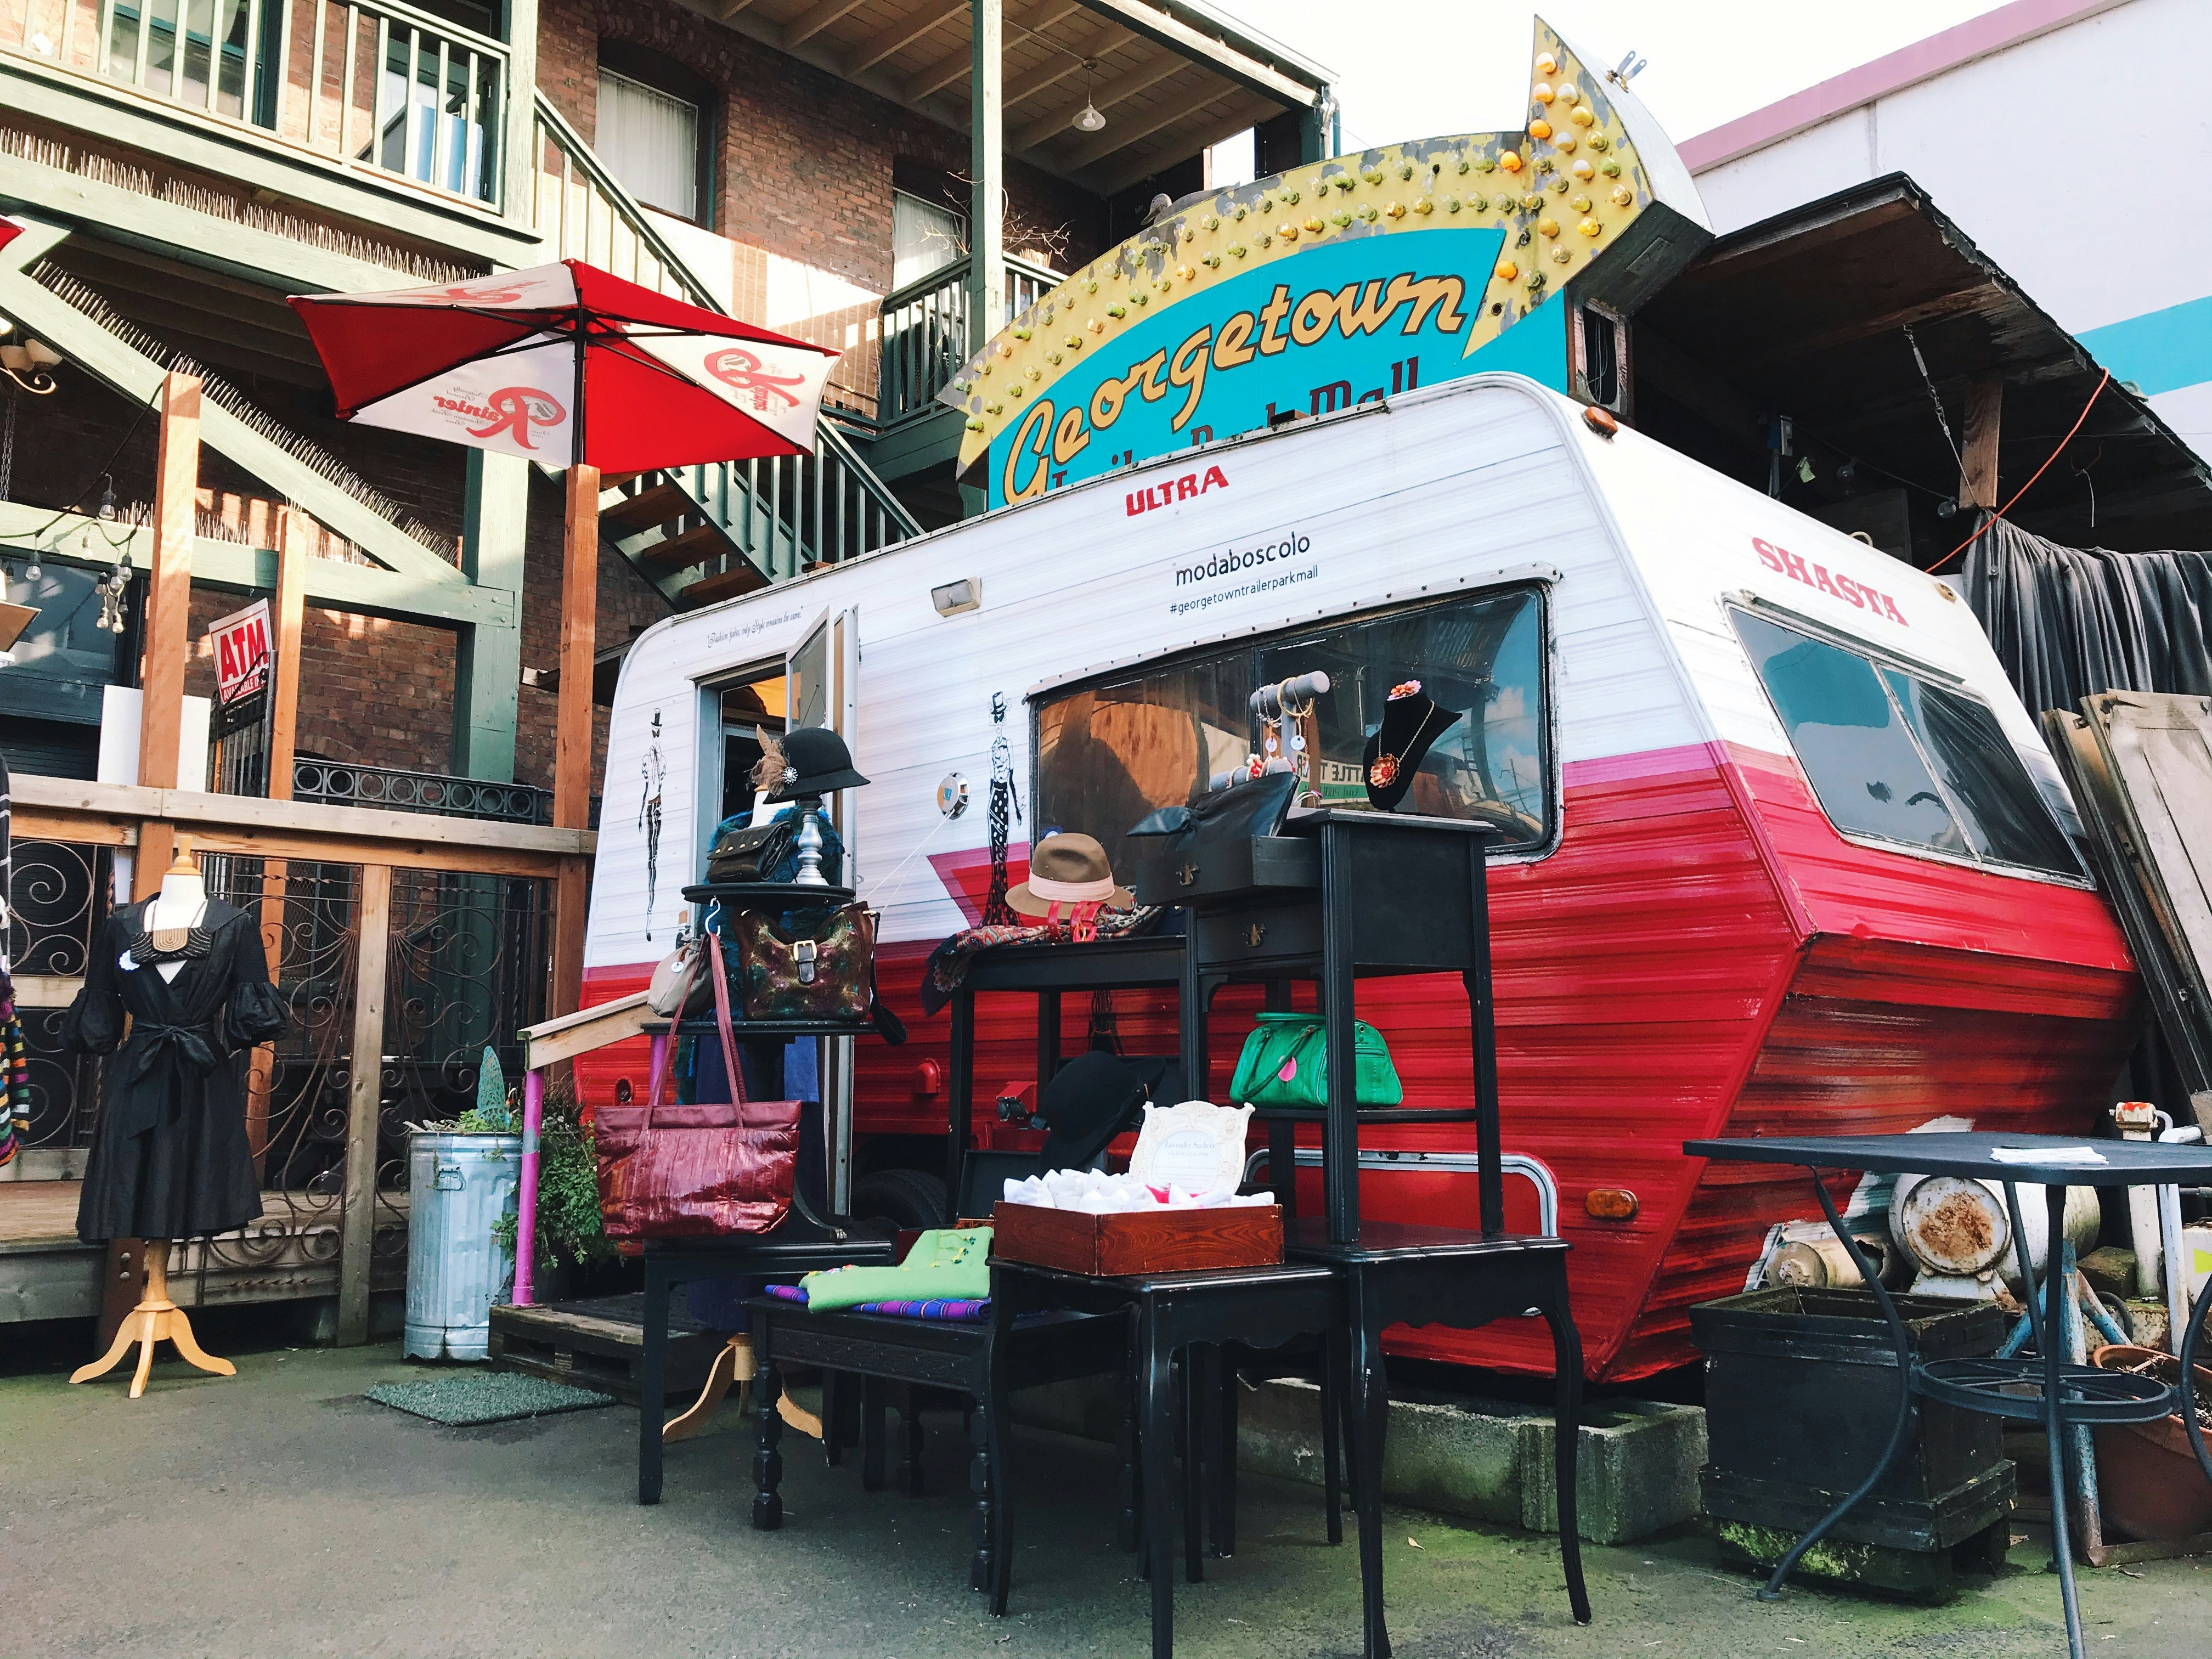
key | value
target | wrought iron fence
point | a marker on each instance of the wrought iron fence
(57, 899)
(394, 789)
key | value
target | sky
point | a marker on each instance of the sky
(1420, 69)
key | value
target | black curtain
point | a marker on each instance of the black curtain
(2068, 621)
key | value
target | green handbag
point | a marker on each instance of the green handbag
(1285, 1063)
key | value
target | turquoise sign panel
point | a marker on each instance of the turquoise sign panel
(1351, 323)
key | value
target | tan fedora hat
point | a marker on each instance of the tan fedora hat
(1067, 870)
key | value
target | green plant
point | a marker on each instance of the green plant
(567, 1188)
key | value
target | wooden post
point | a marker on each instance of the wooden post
(572, 748)
(169, 620)
(357, 1218)
(986, 169)
(293, 529)
(1977, 463)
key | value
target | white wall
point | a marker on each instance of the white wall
(2072, 159)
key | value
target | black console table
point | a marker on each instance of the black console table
(1170, 1312)
(1339, 896)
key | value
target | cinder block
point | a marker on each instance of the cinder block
(1455, 1458)
(1636, 1472)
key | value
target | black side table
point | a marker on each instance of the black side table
(2047, 1389)
(1396, 1274)
(1257, 1307)
(787, 1253)
(926, 1352)
(1146, 961)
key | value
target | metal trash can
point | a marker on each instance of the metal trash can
(460, 1186)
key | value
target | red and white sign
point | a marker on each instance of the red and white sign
(240, 642)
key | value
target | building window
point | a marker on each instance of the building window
(1107, 754)
(649, 140)
(925, 238)
(1895, 757)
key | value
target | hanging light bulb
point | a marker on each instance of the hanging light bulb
(34, 570)
(1089, 120)
(107, 496)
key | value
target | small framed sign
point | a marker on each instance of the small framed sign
(1197, 1145)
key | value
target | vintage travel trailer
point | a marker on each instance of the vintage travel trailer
(1782, 851)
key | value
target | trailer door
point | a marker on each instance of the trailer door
(821, 688)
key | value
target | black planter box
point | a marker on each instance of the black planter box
(1801, 1397)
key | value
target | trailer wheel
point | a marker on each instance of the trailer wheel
(904, 1197)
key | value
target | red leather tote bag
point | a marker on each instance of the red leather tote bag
(702, 1170)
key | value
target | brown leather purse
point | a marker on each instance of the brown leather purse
(672, 1170)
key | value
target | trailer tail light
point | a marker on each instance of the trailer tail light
(1609, 1204)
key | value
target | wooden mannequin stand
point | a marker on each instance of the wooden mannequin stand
(155, 1319)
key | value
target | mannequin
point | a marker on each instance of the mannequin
(181, 904)
(176, 988)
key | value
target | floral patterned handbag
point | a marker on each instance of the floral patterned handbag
(824, 969)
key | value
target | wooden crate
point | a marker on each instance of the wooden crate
(599, 1343)
(1110, 1246)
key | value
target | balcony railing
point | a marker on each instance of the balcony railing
(379, 86)
(391, 789)
(925, 332)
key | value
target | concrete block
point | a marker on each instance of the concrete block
(1484, 1459)
(1636, 1463)
(1454, 1459)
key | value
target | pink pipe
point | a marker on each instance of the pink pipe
(525, 1214)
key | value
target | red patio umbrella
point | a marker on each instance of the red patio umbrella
(568, 363)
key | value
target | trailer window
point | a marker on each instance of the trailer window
(1108, 755)
(1480, 659)
(1898, 758)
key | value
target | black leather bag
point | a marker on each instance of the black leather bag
(1181, 853)
(750, 854)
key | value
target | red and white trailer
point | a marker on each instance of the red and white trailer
(1787, 854)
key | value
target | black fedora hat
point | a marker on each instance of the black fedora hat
(815, 763)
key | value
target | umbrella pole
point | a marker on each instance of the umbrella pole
(572, 752)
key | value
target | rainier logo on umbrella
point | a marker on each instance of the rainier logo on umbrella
(646, 381)
(742, 369)
(510, 409)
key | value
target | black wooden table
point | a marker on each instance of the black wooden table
(1051, 1347)
(1045, 971)
(1397, 1274)
(2047, 1389)
(790, 1252)
(1385, 896)
(1170, 1312)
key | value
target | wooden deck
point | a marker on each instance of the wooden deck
(47, 1273)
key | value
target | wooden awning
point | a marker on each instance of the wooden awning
(1815, 312)
(1170, 76)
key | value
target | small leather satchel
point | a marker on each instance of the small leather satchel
(1285, 1063)
(672, 1170)
(822, 969)
(677, 987)
(750, 854)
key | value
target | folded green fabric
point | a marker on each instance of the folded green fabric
(946, 1262)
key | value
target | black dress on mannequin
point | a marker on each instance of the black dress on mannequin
(169, 1158)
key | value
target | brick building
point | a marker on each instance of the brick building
(820, 168)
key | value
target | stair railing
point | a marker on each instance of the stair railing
(785, 515)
